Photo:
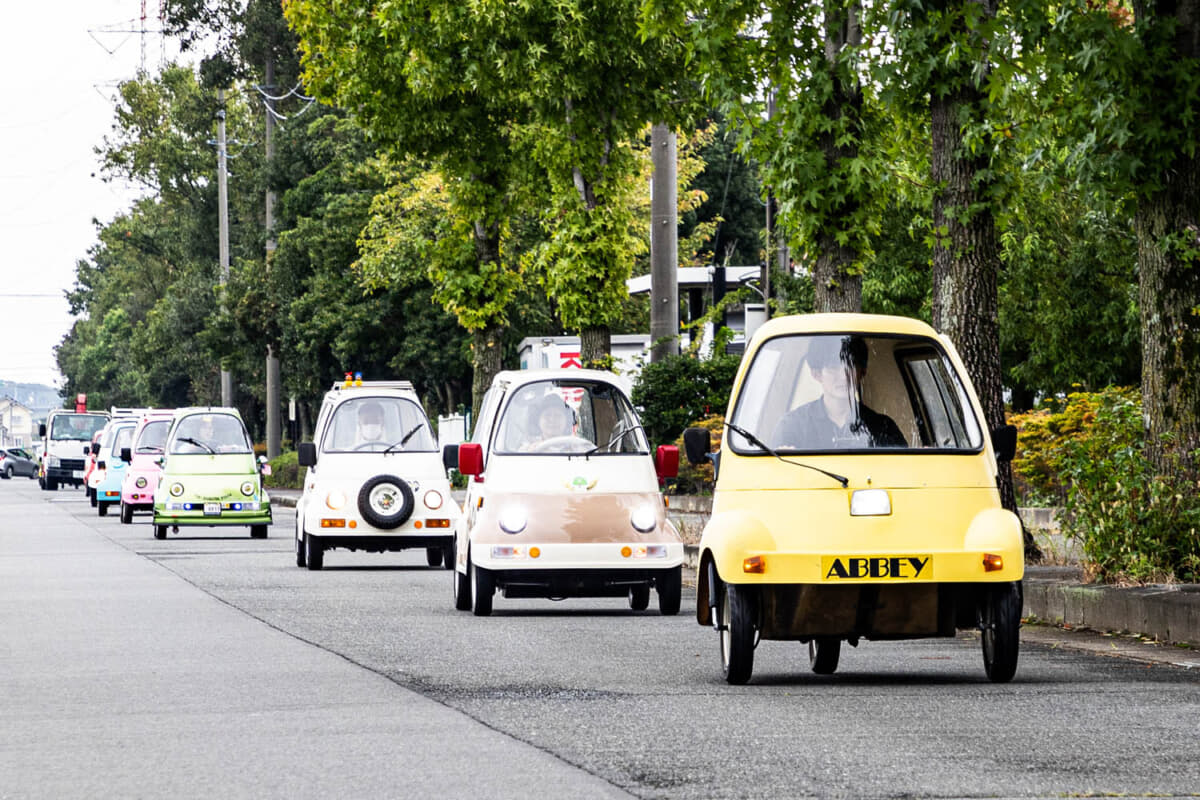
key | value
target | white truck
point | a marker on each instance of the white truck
(66, 443)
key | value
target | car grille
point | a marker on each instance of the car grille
(71, 463)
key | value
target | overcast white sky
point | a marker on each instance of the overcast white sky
(59, 78)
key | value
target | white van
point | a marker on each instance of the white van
(374, 478)
(66, 444)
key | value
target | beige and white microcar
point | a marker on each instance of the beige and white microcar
(375, 480)
(563, 496)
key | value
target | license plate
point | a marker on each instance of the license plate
(77, 473)
(877, 568)
(212, 508)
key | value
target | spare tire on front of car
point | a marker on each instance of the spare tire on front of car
(386, 501)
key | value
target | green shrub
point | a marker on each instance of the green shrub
(1042, 436)
(699, 479)
(285, 472)
(677, 390)
(1133, 523)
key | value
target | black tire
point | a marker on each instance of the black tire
(301, 561)
(41, 483)
(102, 509)
(8, 472)
(51, 485)
(462, 588)
(433, 556)
(823, 653)
(126, 513)
(160, 531)
(258, 531)
(639, 597)
(314, 552)
(91, 494)
(1000, 622)
(448, 556)
(386, 502)
(669, 586)
(483, 586)
(739, 611)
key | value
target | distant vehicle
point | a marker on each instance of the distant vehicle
(90, 476)
(110, 469)
(17, 461)
(210, 476)
(375, 479)
(66, 443)
(856, 498)
(143, 460)
(563, 497)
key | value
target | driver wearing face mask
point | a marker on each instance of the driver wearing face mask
(370, 423)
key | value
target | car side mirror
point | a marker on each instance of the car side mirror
(95, 448)
(697, 444)
(470, 459)
(666, 461)
(87, 451)
(450, 456)
(1004, 442)
(101, 465)
(306, 454)
(126, 454)
(42, 430)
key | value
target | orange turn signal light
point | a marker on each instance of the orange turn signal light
(755, 564)
(626, 551)
(534, 552)
(417, 524)
(437, 523)
(991, 562)
(333, 523)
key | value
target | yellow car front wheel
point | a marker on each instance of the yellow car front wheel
(739, 617)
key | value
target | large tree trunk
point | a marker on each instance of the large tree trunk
(966, 266)
(486, 344)
(595, 347)
(836, 286)
(1168, 285)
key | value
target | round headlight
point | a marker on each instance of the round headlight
(433, 499)
(247, 488)
(335, 499)
(512, 520)
(644, 519)
(176, 489)
(140, 483)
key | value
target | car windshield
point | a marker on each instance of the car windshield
(79, 427)
(210, 433)
(850, 392)
(153, 437)
(378, 424)
(123, 438)
(568, 417)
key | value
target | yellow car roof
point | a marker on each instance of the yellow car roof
(844, 323)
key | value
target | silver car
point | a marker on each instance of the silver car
(16, 461)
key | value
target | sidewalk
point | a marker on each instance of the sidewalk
(1053, 594)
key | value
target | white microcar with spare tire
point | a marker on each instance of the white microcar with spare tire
(375, 479)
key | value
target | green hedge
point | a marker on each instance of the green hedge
(286, 472)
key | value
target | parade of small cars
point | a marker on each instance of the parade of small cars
(856, 498)
(209, 475)
(563, 496)
(374, 478)
(140, 478)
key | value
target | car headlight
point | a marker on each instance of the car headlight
(644, 519)
(433, 499)
(140, 483)
(512, 520)
(52, 461)
(176, 489)
(247, 488)
(335, 499)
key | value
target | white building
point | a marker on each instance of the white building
(16, 424)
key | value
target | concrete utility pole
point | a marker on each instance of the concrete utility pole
(223, 228)
(273, 424)
(664, 246)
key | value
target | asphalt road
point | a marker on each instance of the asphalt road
(209, 665)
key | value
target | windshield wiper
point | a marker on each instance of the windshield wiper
(404, 440)
(198, 443)
(623, 432)
(754, 440)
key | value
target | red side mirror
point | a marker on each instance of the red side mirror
(666, 461)
(470, 458)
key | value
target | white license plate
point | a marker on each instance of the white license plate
(77, 473)
(212, 508)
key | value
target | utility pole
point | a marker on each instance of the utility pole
(664, 246)
(273, 425)
(223, 229)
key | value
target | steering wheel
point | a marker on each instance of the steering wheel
(381, 445)
(561, 444)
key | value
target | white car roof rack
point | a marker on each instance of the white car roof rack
(403, 385)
